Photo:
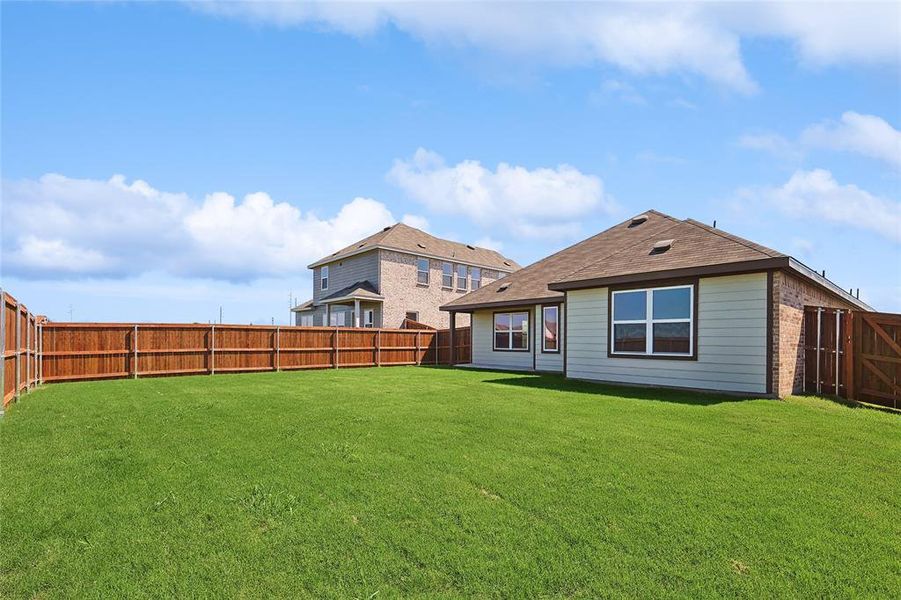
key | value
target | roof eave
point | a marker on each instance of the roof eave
(747, 266)
(330, 259)
(827, 285)
(500, 304)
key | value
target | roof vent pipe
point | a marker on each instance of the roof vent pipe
(714, 223)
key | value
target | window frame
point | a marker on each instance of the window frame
(370, 312)
(691, 284)
(475, 282)
(420, 271)
(528, 337)
(559, 310)
(447, 286)
(465, 270)
(407, 314)
(323, 278)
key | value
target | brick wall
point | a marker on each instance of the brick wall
(402, 293)
(790, 295)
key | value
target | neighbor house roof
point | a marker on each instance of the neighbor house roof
(648, 247)
(308, 305)
(403, 238)
(361, 290)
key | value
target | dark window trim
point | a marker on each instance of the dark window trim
(693, 281)
(559, 337)
(494, 314)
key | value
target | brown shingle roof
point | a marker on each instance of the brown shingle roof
(625, 253)
(360, 289)
(408, 239)
(530, 283)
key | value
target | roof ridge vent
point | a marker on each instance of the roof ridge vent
(470, 246)
(421, 245)
(638, 220)
(662, 246)
(503, 287)
(387, 228)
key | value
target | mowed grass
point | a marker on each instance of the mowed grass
(442, 483)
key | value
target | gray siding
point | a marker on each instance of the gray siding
(362, 267)
(483, 354)
(732, 338)
(545, 361)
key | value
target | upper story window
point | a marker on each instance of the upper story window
(447, 275)
(511, 331)
(550, 319)
(653, 321)
(323, 277)
(475, 278)
(461, 278)
(422, 271)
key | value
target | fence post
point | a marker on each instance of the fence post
(336, 347)
(134, 352)
(417, 348)
(838, 346)
(28, 344)
(2, 347)
(819, 387)
(41, 354)
(378, 347)
(848, 346)
(18, 348)
(277, 349)
(212, 349)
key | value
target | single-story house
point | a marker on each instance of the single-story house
(655, 301)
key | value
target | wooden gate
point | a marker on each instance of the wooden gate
(877, 358)
(827, 346)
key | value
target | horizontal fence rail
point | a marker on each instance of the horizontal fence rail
(80, 351)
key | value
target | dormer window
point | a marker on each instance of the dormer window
(323, 278)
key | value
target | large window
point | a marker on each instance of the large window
(368, 317)
(422, 271)
(653, 322)
(447, 275)
(461, 278)
(337, 318)
(475, 277)
(511, 331)
(323, 277)
(550, 319)
(306, 320)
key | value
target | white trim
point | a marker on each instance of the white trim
(509, 332)
(649, 321)
(368, 317)
(473, 279)
(323, 277)
(465, 277)
(352, 297)
(443, 275)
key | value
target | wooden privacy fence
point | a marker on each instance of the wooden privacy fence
(855, 355)
(74, 351)
(20, 340)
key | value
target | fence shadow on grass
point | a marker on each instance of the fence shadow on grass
(561, 384)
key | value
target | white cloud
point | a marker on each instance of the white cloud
(64, 227)
(644, 39)
(490, 243)
(867, 135)
(864, 134)
(544, 202)
(772, 143)
(416, 221)
(816, 194)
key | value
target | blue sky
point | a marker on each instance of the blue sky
(162, 159)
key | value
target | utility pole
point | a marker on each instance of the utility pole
(220, 315)
(70, 313)
(290, 306)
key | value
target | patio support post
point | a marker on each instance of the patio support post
(328, 315)
(453, 336)
(356, 312)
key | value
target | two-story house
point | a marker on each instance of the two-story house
(396, 274)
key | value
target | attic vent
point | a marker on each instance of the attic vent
(503, 288)
(421, 245)
(361, 245)
(662, 246)
(386, 228)
(506, 263)
(638, 220)
(470, 247)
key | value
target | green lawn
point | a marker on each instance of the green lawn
(442, 483)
